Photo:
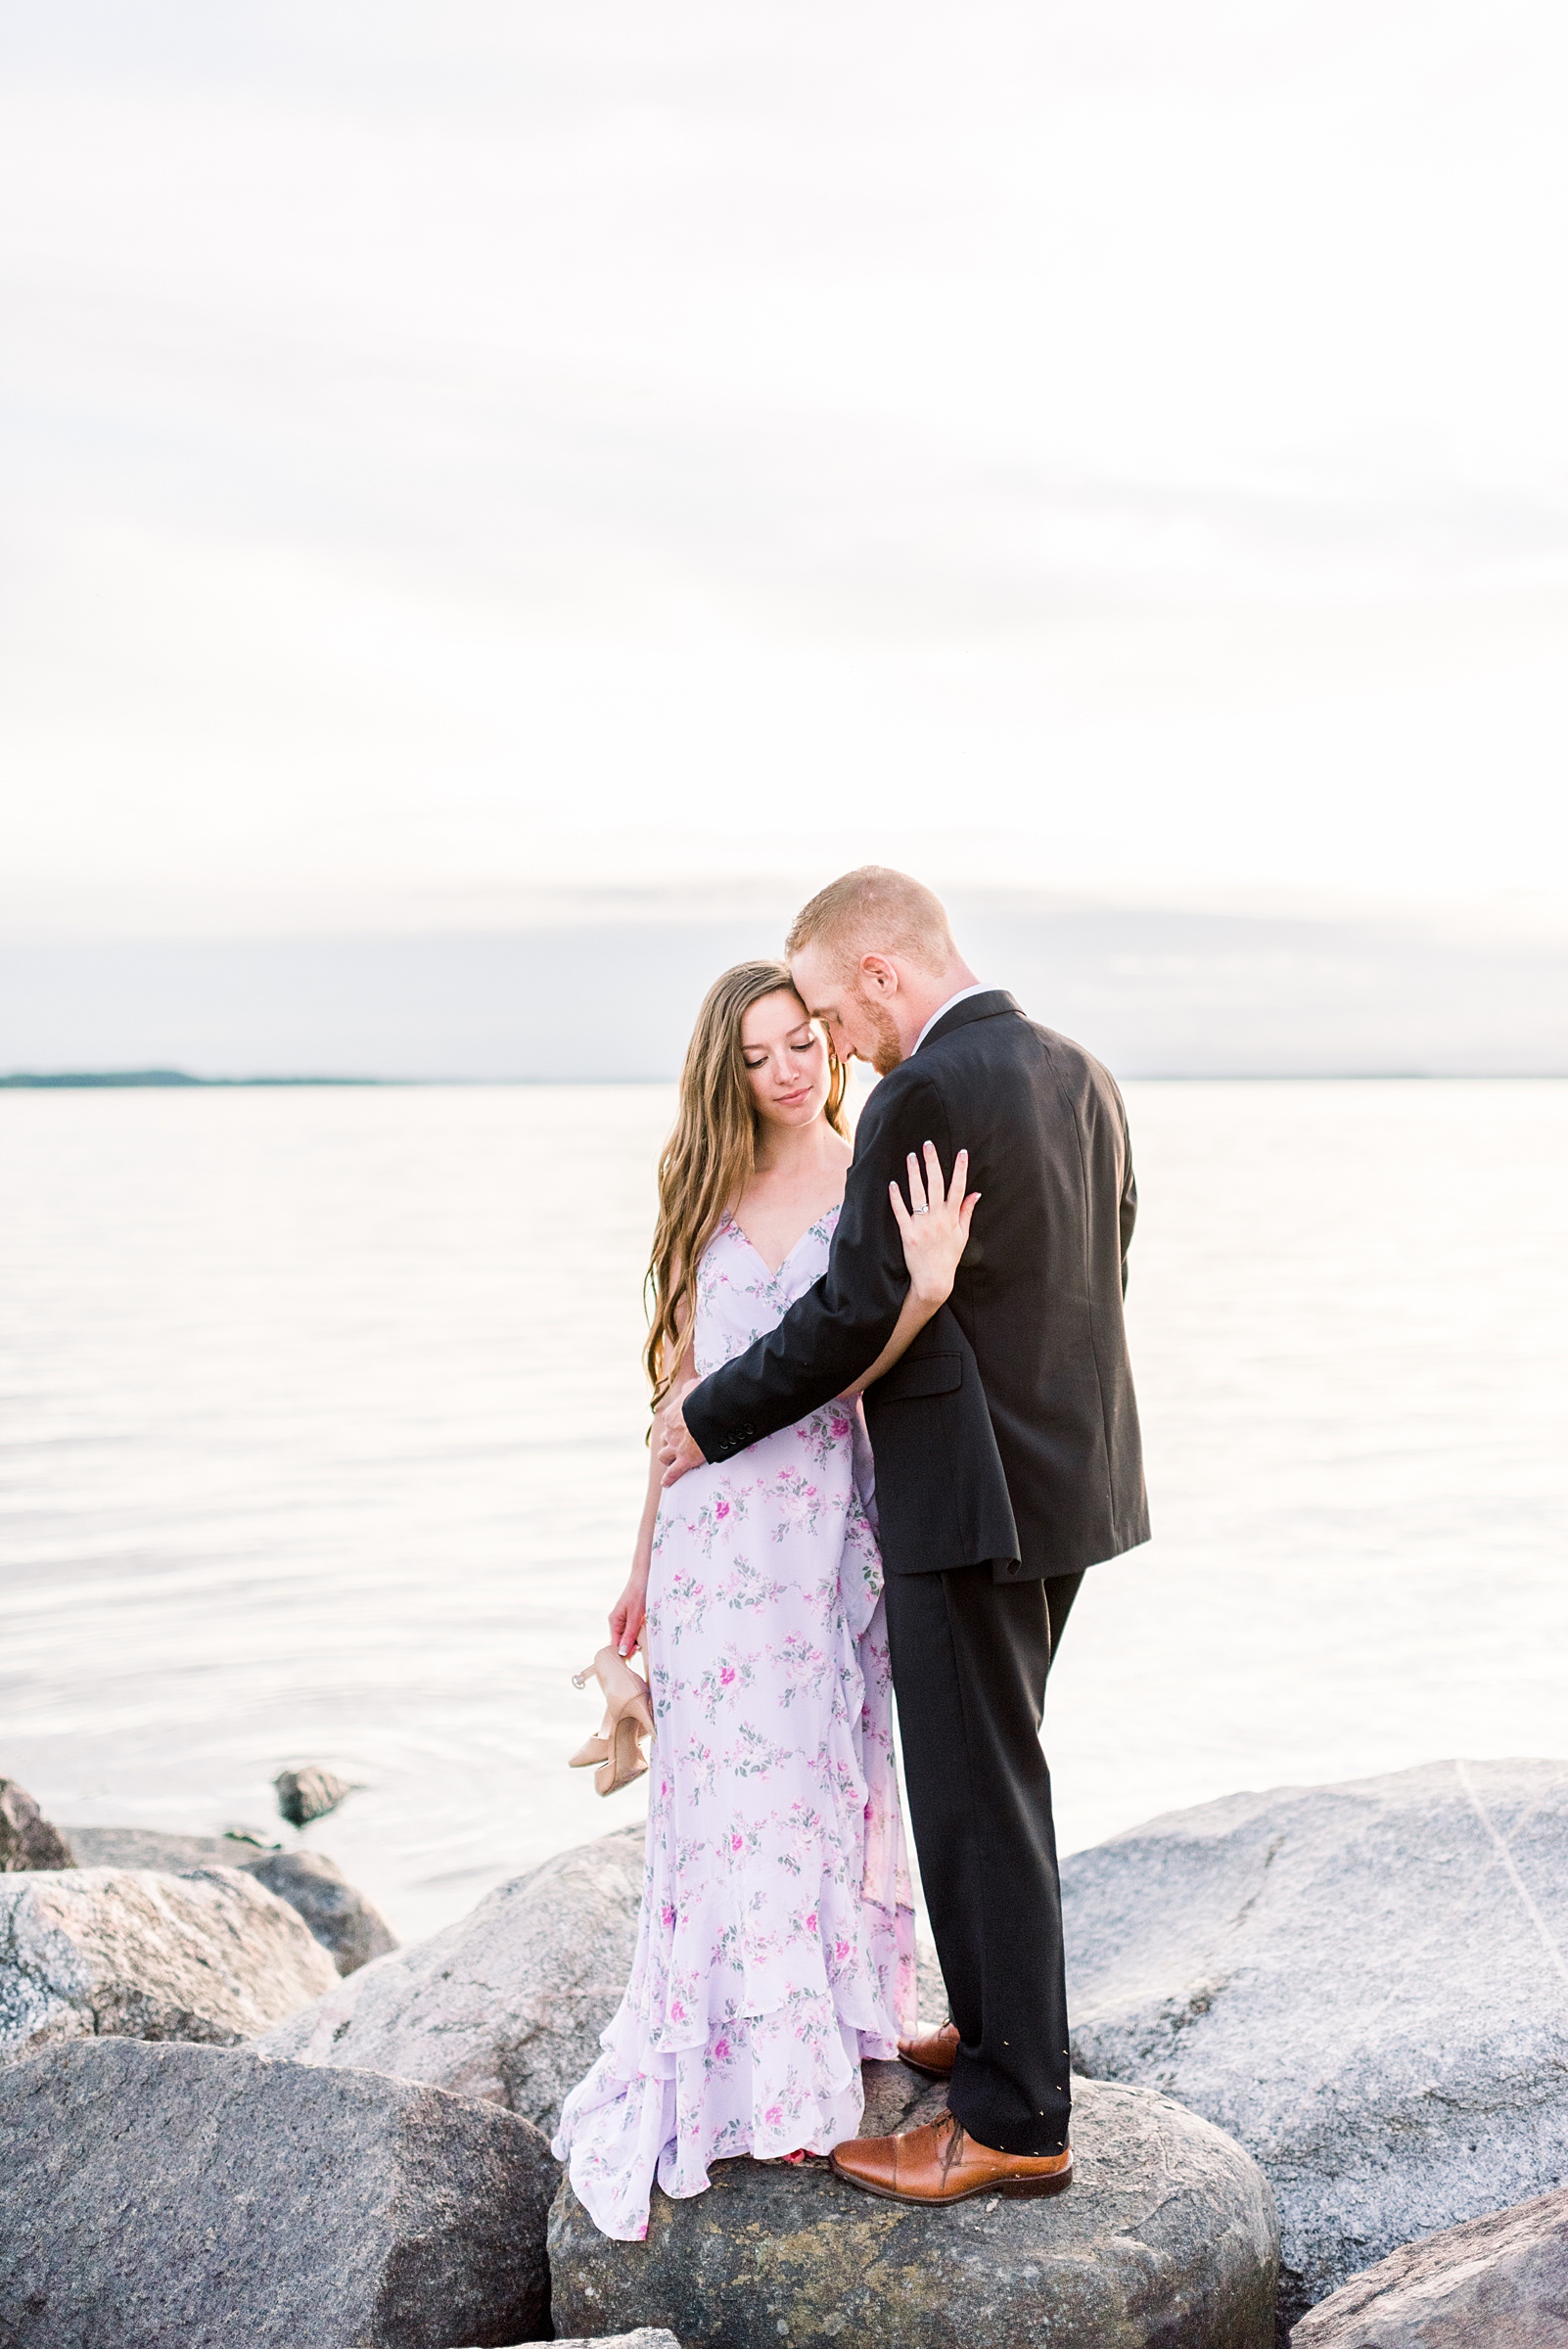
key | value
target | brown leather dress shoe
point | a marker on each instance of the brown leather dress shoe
(933, 2052)
(941, 2163)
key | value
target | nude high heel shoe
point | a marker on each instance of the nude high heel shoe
(617, 1749)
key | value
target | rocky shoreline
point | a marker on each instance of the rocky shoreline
(1321, 2034)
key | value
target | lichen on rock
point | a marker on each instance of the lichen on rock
(1166, 2237)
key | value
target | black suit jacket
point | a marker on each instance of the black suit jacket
(1009, 1431)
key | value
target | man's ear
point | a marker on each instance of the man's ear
(878, 975)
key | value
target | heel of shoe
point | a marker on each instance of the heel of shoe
(626, 1761)
(1031, 2190)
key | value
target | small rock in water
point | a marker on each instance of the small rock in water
(1502, 2280)
(120, 1953)
(309, 1793)
(27, 1841)
(180, 2198)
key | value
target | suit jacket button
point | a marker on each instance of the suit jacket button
(1012, 1565)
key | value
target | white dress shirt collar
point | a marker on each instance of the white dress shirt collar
(942, 1009)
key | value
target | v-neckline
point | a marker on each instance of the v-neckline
(737, 1227)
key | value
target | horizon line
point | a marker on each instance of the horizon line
(183, 1080)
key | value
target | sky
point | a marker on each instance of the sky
(460, 454)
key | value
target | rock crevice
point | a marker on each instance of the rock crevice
(1497, 2282)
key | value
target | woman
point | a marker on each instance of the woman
(775, 1945)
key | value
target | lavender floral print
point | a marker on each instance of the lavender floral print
(775, 1946)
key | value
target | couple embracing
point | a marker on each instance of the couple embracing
(818, 1309)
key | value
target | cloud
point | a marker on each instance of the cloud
(477, 446)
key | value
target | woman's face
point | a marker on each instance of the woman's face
(786, 1059)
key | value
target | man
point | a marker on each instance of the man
(1007, 1458)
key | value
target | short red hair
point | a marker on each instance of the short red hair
(875, 910)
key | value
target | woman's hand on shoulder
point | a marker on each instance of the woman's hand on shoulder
(935, 1223)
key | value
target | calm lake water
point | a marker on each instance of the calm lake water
(322, 1441)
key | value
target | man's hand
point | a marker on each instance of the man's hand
(668, 1425)
(677, 1447)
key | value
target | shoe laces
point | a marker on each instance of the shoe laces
(952, 2152)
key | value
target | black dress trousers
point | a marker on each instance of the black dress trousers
(970, 1656)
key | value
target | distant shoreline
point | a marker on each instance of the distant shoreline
(64, 1081)
(88, 1080)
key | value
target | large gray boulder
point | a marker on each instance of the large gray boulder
(508, 2003)
(27, 1841)
(348, 1928)
(183, 2197)
(130, 1953)
(1166, 2237)
(1498, 2282)
(1365, 1984)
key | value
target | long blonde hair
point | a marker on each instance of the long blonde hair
(709, 1157)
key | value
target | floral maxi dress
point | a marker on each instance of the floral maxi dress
(775, 1944)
